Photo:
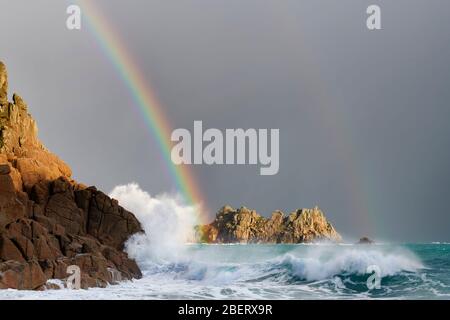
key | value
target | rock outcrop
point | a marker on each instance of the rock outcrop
(365, 240)
(48, 221)
(247, 226)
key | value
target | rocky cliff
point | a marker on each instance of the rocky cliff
(246, 226)
(47, 220)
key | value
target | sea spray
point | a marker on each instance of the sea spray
(324, 262)
(167, 222)
(173, 269)
(272, 272)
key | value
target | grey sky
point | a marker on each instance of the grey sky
(363, 116)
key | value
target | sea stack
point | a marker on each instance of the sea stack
(365, 240)
(247, 226)
(48, 221)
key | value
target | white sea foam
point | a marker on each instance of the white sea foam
(323, 263)
(174, 270)
(167, 222)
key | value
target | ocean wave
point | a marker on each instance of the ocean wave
(174, 269)
(244, 272)
(168, 223)
(328, 263)
(295, 267)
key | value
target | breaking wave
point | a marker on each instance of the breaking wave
(297, 266)
(168, 223)
(252, 271)
(174, 270)
(324, 265)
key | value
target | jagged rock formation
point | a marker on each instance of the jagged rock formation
(47, 220)
(247, 226)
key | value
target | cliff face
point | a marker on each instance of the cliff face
(47, 220)
(247, 226)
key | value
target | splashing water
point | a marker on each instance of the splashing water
(175, 270)
(167, 222)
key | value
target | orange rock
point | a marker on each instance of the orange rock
(246, 226)
(24, 276)
(47, 220)
(3, 84)
(9, 251)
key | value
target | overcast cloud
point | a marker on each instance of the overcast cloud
(363, 116)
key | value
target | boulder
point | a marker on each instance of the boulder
(21, 275)
(9, 251)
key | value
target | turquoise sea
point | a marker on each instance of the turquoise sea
(316, 271)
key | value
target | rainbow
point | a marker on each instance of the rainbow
(145, 100)
(152, 113)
